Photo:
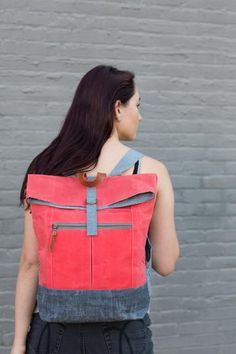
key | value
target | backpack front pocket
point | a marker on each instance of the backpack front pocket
(61, 225)
(81, 261)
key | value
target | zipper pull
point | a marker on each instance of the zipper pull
(53, 236)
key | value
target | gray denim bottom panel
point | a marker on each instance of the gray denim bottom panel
(92, 305)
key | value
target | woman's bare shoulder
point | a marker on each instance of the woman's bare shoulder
(151, 165)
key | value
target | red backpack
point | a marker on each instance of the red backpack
(91, 235)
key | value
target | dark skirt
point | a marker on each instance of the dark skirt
(119, 337)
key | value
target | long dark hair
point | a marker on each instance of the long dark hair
(87, 125)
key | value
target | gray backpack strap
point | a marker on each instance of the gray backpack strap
(127, 161)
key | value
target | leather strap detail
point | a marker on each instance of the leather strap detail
(99, 178)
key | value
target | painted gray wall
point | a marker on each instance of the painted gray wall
(184, 56)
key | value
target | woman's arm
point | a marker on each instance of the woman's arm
(26, 285)
(162, 232)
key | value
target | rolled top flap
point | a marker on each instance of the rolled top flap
(69, 191)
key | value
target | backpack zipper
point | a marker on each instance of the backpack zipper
(108, 225)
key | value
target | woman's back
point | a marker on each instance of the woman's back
(112, 152)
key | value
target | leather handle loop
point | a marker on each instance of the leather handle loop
(99, 178)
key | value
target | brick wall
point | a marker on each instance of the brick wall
(184, 56)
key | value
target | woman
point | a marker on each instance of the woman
(103, 112)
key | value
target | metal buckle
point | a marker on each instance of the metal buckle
(92, 203)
